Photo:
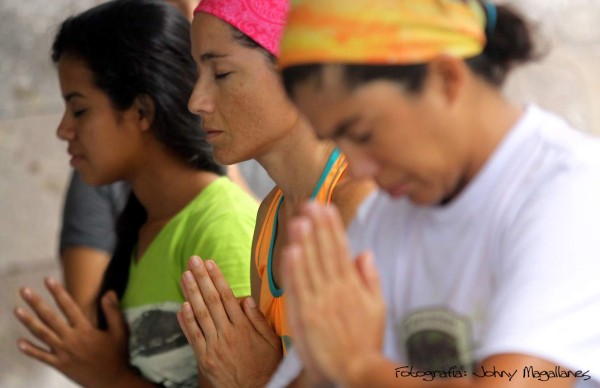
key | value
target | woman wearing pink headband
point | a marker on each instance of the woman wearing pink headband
(246, 114)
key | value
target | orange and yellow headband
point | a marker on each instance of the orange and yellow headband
(381, 31)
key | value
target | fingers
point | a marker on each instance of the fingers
(203, 298)
(340, 240)
(193, 332)
(291, 259)
(47, 318)
(321, 235)
(37, 328)
(66, 304)
(199, 308)
(327, 226)
(301, 244)
(183, 325)
(365, 264)
(260, 323)
(34, 351)
(235, 314)
(114, 317)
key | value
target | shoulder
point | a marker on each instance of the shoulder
(265, 205)
(348, 194)
(222, 199)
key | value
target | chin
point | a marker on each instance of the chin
(228, 158)
(92, 179)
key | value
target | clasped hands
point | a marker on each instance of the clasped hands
(233, 343)
(335, 308)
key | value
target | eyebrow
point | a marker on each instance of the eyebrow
(73, 95)
(210, 56)
(343, 128)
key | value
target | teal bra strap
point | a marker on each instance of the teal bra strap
(275, 291)
(332, 159)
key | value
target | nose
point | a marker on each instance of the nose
(66, 129)
(201, 100)
(361, 164)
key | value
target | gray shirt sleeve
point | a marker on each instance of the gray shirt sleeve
(90, 214)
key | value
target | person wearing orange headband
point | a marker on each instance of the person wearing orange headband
(246, 114)
(482, 242)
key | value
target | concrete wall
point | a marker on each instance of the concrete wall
(33, 163)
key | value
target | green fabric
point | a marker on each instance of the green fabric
(218, 224)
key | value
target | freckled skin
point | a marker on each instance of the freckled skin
(248, 105)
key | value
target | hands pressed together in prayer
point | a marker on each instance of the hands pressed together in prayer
(72, 344)
(336, 310)
(234, 345)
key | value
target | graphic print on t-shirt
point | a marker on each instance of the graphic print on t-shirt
(437, 339)
(158, 347)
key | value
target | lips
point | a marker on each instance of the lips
(397, 191)
(211, 133)
(76, 158)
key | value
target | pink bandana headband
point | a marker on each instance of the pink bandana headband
(261, 20)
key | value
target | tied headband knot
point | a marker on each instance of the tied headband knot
(261, 20)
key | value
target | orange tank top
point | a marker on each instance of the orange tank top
(272, 299)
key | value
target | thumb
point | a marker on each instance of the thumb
(114, 316)
(259, 322)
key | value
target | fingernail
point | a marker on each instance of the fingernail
(251, 303)
(210, 265)
(187, 275)
(303, 225)
(310, 206)
(20, 312)
(291, 251)
(330, 210)
(26, 293)
(22, 345)
(195, 262)
(51, 282)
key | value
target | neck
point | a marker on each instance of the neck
(494, 117)
(165, 184)
(296, 163)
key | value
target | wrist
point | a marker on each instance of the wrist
(359, 371)
(129, 379)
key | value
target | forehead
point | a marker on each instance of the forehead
(325, 99)
(74, 72)
(210, 33)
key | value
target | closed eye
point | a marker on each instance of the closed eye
(222, 75)
(362, 138)
(79, 113)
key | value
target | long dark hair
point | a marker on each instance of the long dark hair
(139, 48)
(509, 43)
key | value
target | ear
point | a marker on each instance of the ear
(450, 76)
(144, 107)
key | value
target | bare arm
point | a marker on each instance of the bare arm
(83, 270)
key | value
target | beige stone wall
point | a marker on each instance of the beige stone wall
(33, 164)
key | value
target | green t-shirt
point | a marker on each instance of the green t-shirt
(218, 225)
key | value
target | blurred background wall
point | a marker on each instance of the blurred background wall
(34, 164)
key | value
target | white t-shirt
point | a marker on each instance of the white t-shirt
(509, 266)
